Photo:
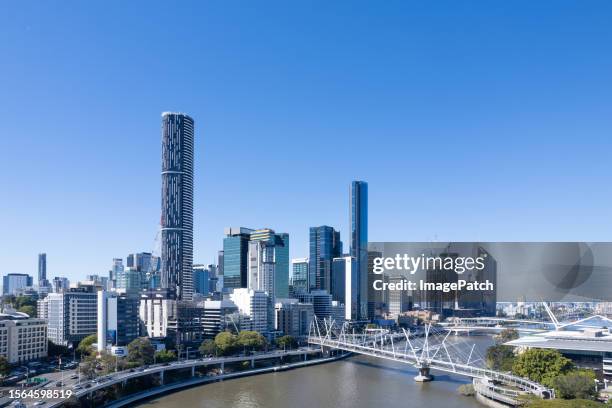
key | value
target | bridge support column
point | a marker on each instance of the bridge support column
(161, 377)
(424, 374)
(193, 371)
(222, 367)
(253, 363)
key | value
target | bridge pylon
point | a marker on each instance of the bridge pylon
(424, 375)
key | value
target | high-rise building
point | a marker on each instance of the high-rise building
(217, 316)
(42, 270)
(325, 245)
(201, 280)
(130, 279)
(268, 263)
(115, 270)
(462, 303)
(118, 322)
(345, 286)
(254, 303)
(377, 299)
(60, 284)
(235, 257)
(143, 262)
(399, 300)
(293, 318)
(299, 275)
(14, 282)
(177, 204)
(72, 314)
(321, 302)
(274, 249)
(359, 241)
(163, 316)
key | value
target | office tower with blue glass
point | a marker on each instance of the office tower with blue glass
(177, 204)
(299, 276)
(359, 241)
(235, 258)
(325, 245)
(201, 279)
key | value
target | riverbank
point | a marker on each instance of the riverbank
(198, 381)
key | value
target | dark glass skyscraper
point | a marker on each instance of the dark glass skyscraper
(325, 245)
(177, 204)
(42, 269)
(359, 240)
(235, 258)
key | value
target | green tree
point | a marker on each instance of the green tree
(208, 347)
(285, 342)
(140, 351)
(87, 367)
(28, 309)
(225, 343)
(576, 384)
(165, 356)
(85, 345)
(542, 365)
(251, 340)
(506, 335)
(5, 367)
(500, 357)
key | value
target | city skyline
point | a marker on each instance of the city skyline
(458, 142)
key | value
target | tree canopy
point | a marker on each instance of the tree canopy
(251, 340)
(208, 347)
(542, 365)
(500, 357)
(141, 351)
(5, 367)
(85, 346)
(226, 343)
(576, 384)
(29, 310)
(165, 356)
(285, 341)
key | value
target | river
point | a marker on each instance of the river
(356, 382)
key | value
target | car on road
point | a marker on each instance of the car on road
(74, 377)
(59, 384)
(39, 402)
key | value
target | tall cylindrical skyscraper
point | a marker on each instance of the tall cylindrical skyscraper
(359, 241)
(177, 204)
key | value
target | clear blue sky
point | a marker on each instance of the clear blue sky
(471, 120)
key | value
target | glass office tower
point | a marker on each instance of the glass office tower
(359, 240)
(235, 258)
(325, 245)
(177, 204)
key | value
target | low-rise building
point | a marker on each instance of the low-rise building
(22, 338)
